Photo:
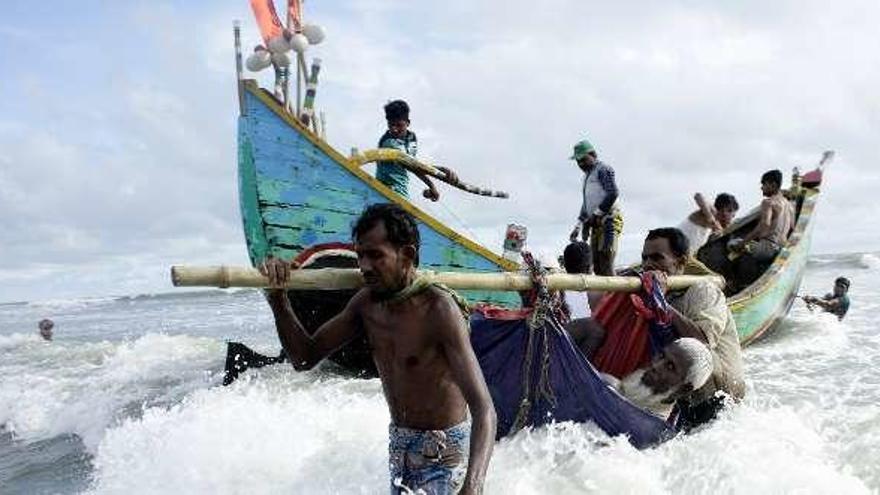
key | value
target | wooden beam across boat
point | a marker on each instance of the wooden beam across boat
(348, 278)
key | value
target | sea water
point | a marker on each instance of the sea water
(127, 399)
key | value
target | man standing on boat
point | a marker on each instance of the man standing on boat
(599, 220)
(699, 312)
(401, 138)
(836, 303)
(419, 339)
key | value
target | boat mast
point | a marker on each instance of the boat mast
(236, 28)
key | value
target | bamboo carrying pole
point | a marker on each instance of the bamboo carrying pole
(349, 278)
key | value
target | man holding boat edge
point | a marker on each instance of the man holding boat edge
(700, 312)
(599, 220)
(419, 339)
(836, 303)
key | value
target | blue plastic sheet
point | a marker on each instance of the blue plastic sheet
(562, 385)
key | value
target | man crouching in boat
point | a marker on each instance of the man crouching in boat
(420, 344)
(699, 312)
(683, 366)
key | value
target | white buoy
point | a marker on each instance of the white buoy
(280, 59)
(299, 43)
(279, 44)
(258, 60)
(314, 33)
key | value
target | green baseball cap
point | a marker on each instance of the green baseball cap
(582, 149)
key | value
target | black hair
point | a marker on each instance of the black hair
(842, 281)
(400, 226)
(678, 243)
(397, 110)
(577, 258)
(726, 200)
(773, 177)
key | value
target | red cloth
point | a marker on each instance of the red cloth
(627, 344)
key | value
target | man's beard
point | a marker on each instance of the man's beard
(632, 387)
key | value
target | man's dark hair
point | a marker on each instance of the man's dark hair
(726, 200)
(400, 226)
(577, 258)
(678, 243)
(842, 281)
(773, 177)
(397, 110)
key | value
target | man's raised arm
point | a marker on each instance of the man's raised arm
(303, 350)
(455, 341)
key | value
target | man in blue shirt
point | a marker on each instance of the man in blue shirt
(836, 303)
(399, 137)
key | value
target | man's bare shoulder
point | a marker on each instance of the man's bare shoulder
(441, 304)
(359, 301)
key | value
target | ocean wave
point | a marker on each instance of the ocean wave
(56, 388)
(300, 433)
(846, 260)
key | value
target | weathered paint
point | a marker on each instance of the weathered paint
(247, 192)
(295, 192)
(768, 300)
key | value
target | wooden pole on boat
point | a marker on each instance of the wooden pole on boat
(300, 67)
(349, 278)
(236, 28)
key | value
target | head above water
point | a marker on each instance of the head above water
(726, 207)
(771, 182)
(386, 240)
(577, 258)
(841, 286)
(46, 325)
(665, 250)
(397, 115)
(682, 367)
(584, 153)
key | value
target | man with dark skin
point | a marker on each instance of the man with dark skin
(420, 344)
(700, 312)
(836, 303)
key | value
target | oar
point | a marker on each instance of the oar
(350, 278)
(408, 162)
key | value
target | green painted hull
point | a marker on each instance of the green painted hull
(760, 308)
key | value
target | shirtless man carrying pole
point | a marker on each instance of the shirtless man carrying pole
(420, 344)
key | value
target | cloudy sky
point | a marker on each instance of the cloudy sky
(117, 119)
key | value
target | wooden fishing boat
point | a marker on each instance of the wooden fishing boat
(299, 197)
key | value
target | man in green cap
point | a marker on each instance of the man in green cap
(599, 220)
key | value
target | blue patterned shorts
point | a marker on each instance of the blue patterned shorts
(430, 462)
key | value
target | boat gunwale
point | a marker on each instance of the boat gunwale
(764, 283)
(251, 86)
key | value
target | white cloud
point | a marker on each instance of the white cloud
(131, 176)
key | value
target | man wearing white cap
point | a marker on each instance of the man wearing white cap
(684, 366)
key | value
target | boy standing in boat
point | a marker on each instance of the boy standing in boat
(420, 344)
(401, 138)
(599, 220)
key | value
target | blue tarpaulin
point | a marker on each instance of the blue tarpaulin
(547, 379)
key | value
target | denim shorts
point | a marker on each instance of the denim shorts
(429, 462)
